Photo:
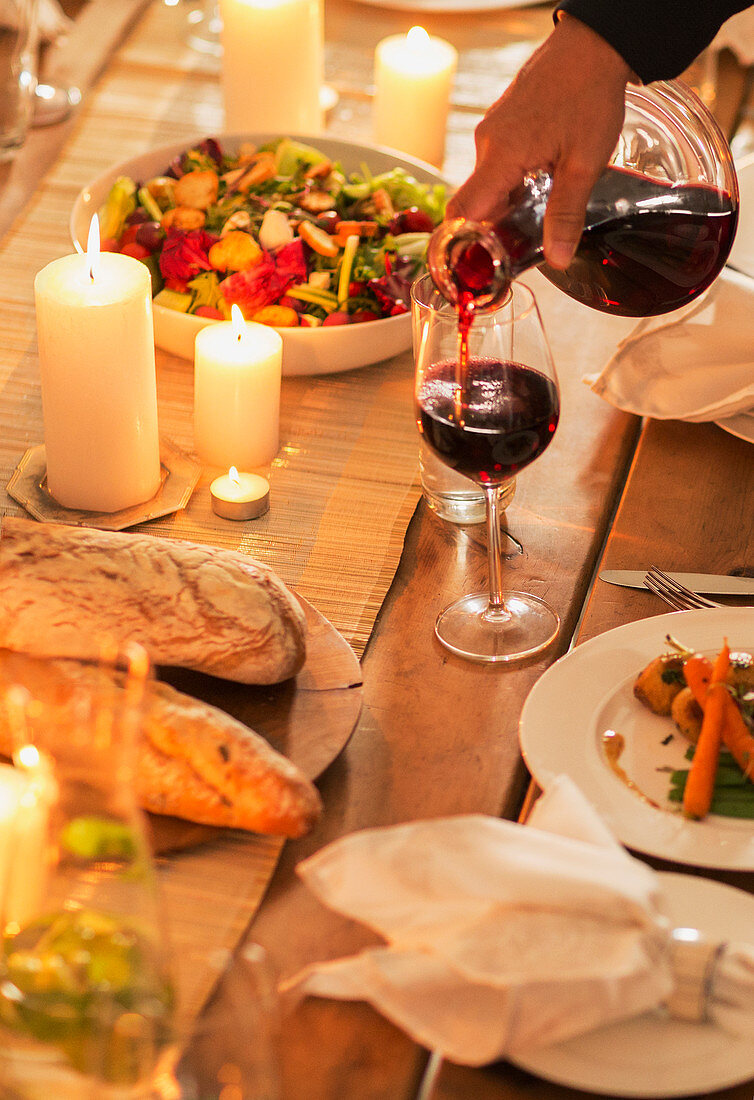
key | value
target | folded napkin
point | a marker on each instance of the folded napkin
(502, 937)
(694, 364)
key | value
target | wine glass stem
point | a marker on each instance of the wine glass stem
(496, 607)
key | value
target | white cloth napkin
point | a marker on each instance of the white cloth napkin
(501, 936)
(694, 364)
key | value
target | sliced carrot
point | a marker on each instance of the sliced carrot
(697, 796)
(346, 229)
(697, 672)
(318, 239)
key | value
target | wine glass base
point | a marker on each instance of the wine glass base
(468, 630)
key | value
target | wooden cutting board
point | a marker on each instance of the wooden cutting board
(308, 718)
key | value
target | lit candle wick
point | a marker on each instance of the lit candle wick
(233, 475)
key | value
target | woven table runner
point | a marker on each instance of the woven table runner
(343, 487)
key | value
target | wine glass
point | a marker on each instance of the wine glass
(487, 421)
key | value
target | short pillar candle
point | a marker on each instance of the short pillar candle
(237, 379)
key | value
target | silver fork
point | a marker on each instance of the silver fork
(675, 594)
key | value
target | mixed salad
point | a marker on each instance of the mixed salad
(278, 229)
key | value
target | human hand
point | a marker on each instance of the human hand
(563, 112)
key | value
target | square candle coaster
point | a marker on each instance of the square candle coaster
(28, 486)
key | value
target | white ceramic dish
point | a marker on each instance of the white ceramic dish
(589, 691)
(653, 1056)
(305, 351)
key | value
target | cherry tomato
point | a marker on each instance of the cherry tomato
(128, 236)
(412, 220)
(339, 317)
(360, 315)
(138, 251)
(208, 311)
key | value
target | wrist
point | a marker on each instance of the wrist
(590, 47)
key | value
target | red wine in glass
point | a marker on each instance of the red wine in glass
(509, 413)
(487, 404)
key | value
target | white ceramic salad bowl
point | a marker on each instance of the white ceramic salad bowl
(327, 350)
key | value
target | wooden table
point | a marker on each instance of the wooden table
(439, 735)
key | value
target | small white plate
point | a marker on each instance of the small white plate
(305, 350)
(652, 1055)
(589, 691)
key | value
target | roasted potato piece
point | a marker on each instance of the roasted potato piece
(659, 683)
(183, 217)
(741, 674)
(687, 714)
(278, 316)
(197, 189)
(236, 251)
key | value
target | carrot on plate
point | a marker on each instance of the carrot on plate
(697, 796)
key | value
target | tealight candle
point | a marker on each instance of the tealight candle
(240, 496)
(272, 68)
(99, 390)
(237, 378)
(413, 79)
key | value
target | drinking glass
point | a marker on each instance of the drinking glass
(487, 421)
(86, 991)
(18, 72)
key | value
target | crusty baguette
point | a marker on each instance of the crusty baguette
(192, 760)
(63, 590)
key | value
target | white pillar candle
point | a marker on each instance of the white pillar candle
(413, 79)
(237, 378)
(272, 67)
(99, 392)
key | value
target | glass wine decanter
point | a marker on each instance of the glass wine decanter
(659, 224)
(86, 1000)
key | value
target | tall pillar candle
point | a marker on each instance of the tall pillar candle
(99, 391)
(272, 67)
(413, 80)
(237, 378)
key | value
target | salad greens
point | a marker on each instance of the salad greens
(279, 230)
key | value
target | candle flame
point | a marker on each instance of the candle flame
(417, 38)
(237, 321)
(233, 475)
(92, 247)
(27, 756)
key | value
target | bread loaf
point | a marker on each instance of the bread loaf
(192, 760)
(63, 590)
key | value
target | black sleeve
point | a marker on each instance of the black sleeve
(658, 38)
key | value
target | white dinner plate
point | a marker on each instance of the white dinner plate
(305, 350)
(652, 1055)
(590, 691)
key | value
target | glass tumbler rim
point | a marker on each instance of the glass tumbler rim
(423, 290)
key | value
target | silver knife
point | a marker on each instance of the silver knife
(707, 583)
